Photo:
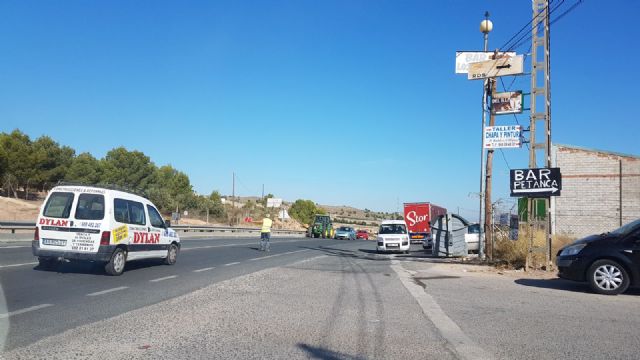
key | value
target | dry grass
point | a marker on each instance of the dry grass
(513, 253)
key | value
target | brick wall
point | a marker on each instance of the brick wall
(590, 199)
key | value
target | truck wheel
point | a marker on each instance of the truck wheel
(172, 255)
(115, 266)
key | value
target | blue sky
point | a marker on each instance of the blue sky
(343, 102)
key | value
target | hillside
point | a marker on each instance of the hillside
(19, 210)
(27, 210)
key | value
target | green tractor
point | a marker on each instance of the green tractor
(321, 227)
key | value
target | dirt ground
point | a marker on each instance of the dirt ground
(27, 210)
(19, 210)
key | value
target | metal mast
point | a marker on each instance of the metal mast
(540, 104)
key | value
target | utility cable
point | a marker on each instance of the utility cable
(527, 36)
(522, 29)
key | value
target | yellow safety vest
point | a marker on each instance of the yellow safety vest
(266, 225)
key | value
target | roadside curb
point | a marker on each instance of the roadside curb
(459, 342)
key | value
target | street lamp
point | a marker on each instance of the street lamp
(485, 28)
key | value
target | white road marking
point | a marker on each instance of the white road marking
(14, 265)
(205, 269)
(450, 331)
(22, 311)
(164, 278)
(108, 291)
(13, 247)
(233, 263)
(227, 245)
(274, 255)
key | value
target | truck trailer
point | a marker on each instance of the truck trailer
(417, 216)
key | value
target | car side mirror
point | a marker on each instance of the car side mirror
(167, 223)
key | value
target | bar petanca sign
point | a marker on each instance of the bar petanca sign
(541, 182)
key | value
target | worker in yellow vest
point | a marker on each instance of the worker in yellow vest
(265, 233)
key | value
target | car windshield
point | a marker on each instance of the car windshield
(342, 228)
(393, 229)
(627, 228)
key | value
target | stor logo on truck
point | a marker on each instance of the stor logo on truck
(414, 218)
(417, 216)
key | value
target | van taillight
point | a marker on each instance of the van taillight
(106, 236)
(36, 235)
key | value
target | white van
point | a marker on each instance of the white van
(393, 236)
(102, 225)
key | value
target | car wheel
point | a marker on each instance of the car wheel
(115, 266)
(172, 255)
(608, 277)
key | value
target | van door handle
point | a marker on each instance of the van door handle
(148, 229)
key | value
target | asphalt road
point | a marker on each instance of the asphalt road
(40, 303)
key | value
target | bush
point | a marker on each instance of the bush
(514, 252)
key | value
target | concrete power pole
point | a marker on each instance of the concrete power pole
(488, 208)
(540, 70)
(485, 28)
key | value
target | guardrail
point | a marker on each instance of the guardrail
(24, 225)
(232, 229)
(16, 225)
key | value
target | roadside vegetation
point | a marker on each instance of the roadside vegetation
(29, 167)
(513, 253)
(304, 211)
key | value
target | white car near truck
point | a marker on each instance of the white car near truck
(393, 236)
(102, 225)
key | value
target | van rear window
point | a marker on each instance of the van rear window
(58, 205)
(129, 212)
(90, 207)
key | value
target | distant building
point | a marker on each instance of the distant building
(600, 190)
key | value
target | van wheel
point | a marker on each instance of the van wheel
(172, 255)
(115, 266)
(608, 277)
(46, 263)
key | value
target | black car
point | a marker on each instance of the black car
(609, 262)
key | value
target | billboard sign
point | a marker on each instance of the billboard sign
(274, 203)
(541, 182)
(506, 103)
(509, 136)
(502, 66)
(464, 58)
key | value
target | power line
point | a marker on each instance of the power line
(514, 115)
(566, 12)
(524, 39)
(505, 159)
(522, 29)
(571, 8)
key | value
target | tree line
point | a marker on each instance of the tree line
(28, 166)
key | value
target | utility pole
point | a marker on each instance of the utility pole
(233, 198)
(485, 27)
(540, 44)
(488, 224)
